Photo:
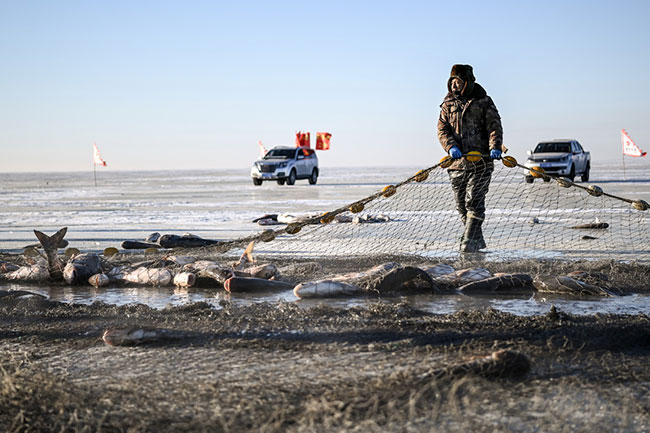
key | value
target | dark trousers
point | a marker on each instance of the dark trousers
(470, 187)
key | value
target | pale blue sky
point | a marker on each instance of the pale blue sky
(193, 84)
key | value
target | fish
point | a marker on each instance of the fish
(135, 335)
(208, 273)
(568, 285)
(285, 218)
(50, 246)
(99, 280)
(326, 289)
(81, 267)
(465, 276)
(246, 257)
(504, 283)
(595, 226)
(149, 276)
(62, 244)
(153, 237)
(184, 279)
(268, 216)
(7, 267)
(37, 272)
(180, 260)
(138, 245)
(185, 241)
(367, 218)
(384, 278)
(248, 284)
(267, 272)
(439, 270)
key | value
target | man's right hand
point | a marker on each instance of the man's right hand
(455, 152)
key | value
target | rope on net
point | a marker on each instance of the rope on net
(324, 219)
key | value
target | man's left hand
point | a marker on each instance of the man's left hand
(495, 154)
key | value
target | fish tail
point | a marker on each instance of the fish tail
(248, 252)
(51, 243)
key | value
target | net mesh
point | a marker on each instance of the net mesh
(551, 218)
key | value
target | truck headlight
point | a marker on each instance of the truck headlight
(282, 165)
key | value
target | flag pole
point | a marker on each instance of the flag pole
(95, 172)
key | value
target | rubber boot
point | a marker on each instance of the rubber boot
(473, 238)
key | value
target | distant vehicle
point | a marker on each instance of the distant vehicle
(286, 164)
(564, 158)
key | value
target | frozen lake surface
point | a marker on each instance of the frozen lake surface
(221, 204)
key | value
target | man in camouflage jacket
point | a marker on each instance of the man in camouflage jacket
(469, 121)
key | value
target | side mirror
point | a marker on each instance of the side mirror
(301, 156)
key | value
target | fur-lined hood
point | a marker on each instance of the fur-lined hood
(465, 73)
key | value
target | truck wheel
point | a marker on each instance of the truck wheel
(314, 177)
(292, 177)
(280, 181)
(572, 173)
(585, 175)
(257, 182)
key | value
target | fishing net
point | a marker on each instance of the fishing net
(551, 218)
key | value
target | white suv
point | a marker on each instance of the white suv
(286, 164)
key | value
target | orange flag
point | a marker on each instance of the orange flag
(97, 158)
(302, 139)
(323, 140)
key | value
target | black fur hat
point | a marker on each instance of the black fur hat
(465, 73)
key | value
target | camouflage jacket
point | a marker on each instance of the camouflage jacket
(471, 124)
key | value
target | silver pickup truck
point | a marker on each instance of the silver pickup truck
(564, 158)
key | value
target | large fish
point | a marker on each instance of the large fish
(185, 241)
(134, 336)
(7, 267)
(81, 267)
(248, 284)
(326, 289)
(36, 272)
(505, 283)
(184, 279)
(464, 276)
(50, 246)
(147, 276)
(439, 270)
(138, 245)
(266, 272)
(209, 273)
(568, 285)
(388, 277)
(99, 280)
(246, 258)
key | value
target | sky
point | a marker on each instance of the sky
(196, 84)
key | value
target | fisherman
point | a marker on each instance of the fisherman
(469, 121)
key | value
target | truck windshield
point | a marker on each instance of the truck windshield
(553, 147)
(280, 153)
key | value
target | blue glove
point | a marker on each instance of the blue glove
(455, 152)
(495, 154)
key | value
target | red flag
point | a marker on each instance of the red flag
(323, 140)
(302, 139)
(629, 148)
(263, 150)
(97, 159)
